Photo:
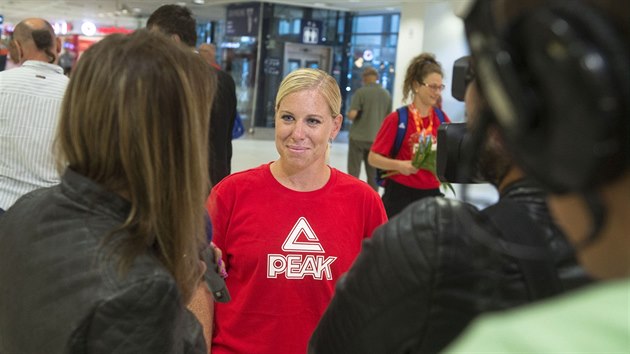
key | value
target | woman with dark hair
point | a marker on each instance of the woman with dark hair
(407, 183)
(107, 260)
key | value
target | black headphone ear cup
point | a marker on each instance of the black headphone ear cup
(573, 87)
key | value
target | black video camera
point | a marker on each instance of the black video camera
(456, 161)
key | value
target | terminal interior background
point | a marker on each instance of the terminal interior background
(258, 42)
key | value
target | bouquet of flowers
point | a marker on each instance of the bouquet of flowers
(424, 157)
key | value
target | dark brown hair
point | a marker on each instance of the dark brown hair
(175, 19)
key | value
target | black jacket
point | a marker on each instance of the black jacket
(221, 125)
(61, 292)
(426, 274)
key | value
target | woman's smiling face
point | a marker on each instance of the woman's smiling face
(428, 95)
(304, 126)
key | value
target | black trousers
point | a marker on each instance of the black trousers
(397, 196)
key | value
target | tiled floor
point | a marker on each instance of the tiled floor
(254, 150)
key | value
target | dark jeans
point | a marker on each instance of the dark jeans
(1, 211)
(397, 196)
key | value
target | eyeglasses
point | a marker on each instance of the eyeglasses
(438, 88)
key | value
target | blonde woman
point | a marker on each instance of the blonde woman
(290, 228)
(107, 260)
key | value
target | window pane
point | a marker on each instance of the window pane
(367, 40)
(392, 40)
(369, 24)
(395, 23)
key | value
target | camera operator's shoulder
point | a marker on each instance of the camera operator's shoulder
(432, 221)
(437, 210)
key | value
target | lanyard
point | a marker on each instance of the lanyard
(420, 129)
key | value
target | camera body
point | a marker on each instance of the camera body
(456, 160)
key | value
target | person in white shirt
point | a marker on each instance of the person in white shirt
(30, 99)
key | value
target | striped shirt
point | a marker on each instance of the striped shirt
(30, 102)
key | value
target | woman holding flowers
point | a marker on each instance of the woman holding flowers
(407, 181)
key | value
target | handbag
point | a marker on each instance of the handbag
(239, 129)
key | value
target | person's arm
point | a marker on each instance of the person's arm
(221, 124)
(383, 145)
(356, 104)
(352, 114)
(404, 167)
(202, 306)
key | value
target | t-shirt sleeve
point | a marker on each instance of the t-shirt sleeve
(356, 101)
(386, 135)
(375, 212)
(219, 215)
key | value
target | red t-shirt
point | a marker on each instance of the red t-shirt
(386, 137)
(284, 251)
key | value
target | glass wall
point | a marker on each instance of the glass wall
(373, 43)
(338, 42)
(297, 37)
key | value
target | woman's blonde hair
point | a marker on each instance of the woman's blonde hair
(421, 66)
(311, 79)
(135, 120)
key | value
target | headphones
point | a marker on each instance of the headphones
(557, 81)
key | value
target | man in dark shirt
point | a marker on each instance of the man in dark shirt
(177, 21)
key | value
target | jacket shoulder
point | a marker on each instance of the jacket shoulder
(384, 302)
(147, 315)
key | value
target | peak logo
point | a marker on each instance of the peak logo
(298, 266)
(292, 243)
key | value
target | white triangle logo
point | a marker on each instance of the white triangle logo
(401, 126)
(292, 243)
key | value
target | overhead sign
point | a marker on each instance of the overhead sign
(311, 31)
(242, 20)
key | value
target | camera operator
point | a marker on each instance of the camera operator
(430, 270)
(565, 111)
